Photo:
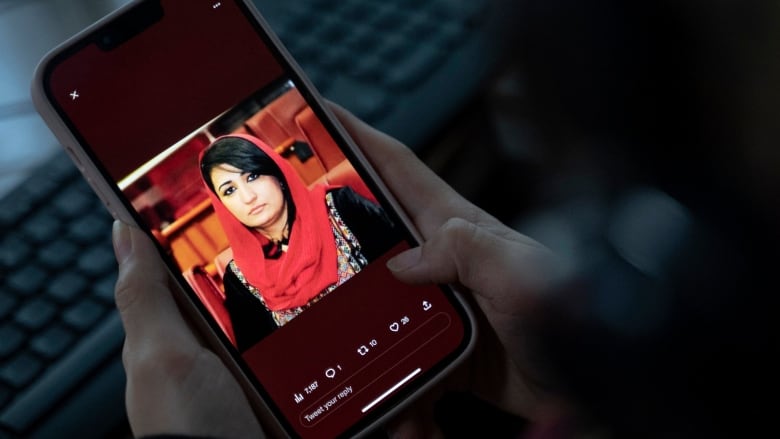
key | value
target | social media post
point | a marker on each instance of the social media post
(360, 349)
(262, 213)
(149, 109)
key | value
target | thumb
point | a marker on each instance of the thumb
(509, 276)
(496, 263)
(142, 293)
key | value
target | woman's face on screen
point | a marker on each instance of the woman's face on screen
(255, 200)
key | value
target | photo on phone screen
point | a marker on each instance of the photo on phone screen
(262, 212)
(217, 146)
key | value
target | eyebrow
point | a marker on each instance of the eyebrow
(231, 180)
(226, 182)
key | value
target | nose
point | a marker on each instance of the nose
(246, 194)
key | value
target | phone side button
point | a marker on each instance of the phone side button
(77, 162)
(103, 198)
(74, 157)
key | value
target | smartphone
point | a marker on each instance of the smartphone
(190, 120)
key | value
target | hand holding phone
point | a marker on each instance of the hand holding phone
(163, 402)
(175, 384)
(273, 225)
(505, 272)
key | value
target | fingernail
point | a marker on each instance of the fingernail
(405, 260)
(120, 235)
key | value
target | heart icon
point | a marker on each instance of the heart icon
(394, 327)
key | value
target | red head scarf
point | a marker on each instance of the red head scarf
(308, 266)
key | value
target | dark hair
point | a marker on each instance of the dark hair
(241, 154)
(244, 155)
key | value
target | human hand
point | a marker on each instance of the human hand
(506, 272)
(174, 384)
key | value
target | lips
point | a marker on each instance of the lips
(257, 209)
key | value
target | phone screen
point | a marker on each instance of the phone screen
(219, 149)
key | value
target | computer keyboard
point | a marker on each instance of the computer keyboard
(404, 66)
(57, 273)
(400, 43)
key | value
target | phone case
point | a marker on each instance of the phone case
(118, 206)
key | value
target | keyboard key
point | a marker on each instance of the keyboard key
(35, 314)
(386, 19)
(52, 342)
(74, 202)
(58, 254)
(5, 395)
(298, 21)
(83, 315)
(335, 58)
(14, 251)
(66, 287)
(20, 370)
(11, 339)
(469, 12)
(362, 39)
(7, 304)
(367, 101)
(416, 65)
(12, 209)
(61, 168)
(394, 48)
(43, 227)
(39, 190)
(27, 280)
(448, 36)
(420, 27)
(369, 68)
(331, 30)
(90, 228)
(98, 260)
(103, 290)
(355, 12)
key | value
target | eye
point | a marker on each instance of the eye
(228, 191)
(252, 176)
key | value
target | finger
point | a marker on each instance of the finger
(509, 276)
(142, 293)
(477, 257)
(174, 385)
(428, 200)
